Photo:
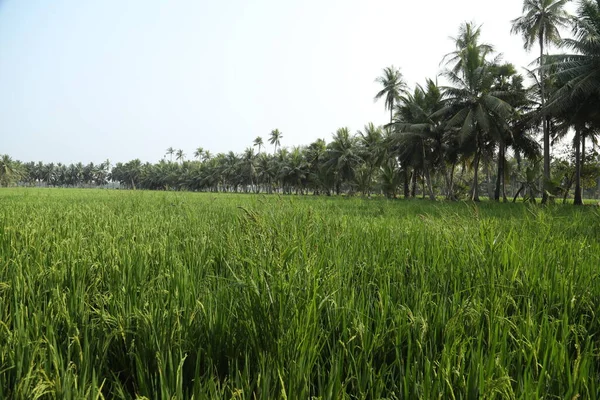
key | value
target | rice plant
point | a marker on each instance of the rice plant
(148, 295)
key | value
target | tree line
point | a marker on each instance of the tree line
(475, 133)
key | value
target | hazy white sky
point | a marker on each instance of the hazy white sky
(124, 79)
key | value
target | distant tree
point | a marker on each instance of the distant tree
(275, 139)
(199, 153)
(474, 107)
(467, 40)
(170, 152)
(9, 173)
(258, 142)
(393, 87)
(180, 155)
(342, 157)
(371, 142)
(540, 23)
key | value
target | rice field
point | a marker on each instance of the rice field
(154, 295)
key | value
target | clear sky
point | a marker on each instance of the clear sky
(123, 79)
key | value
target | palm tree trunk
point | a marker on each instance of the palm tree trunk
(475, 186)
(429, 184)
(489, 184)
(413, 192)
(577, 142)
(518, 192)
(448, 188)
(545, 123)
(568, 188)
(451, 179)
(406, 183)
(582, 161)
(500, 171)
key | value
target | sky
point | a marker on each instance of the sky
(123, 79)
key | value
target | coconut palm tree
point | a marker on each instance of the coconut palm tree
(540, 23)
(180, 155)
(475, 107)
(420, 136)
(393, 86)
(8, 170)
(258, 142)
(343, 157)
(321, 177)
(468, 37)
(275, 139)
(170, 152)
(577, 83)
(578, 73)
(509, 85)
(249, 167)
(199, 153)
(371, 141)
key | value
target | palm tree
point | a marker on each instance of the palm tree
(578, 73)
(420, 135)
(249, 167)
(199, 153)
(343, 157)
(275, 138)
(393, 87)
(320, 175)
(258, 142)
(509, 84)
(180, 155)
(8, 171)
(540, 23)
(371, 140)
(468, 37)
(577, 80)
(294, 172)
(170, 152)
(475, 107)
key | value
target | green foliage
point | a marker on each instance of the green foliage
(10, 171)
(122, 294)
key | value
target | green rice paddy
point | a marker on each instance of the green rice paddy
(154, 295)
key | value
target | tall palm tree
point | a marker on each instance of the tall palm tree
(170, 152)
(577, 80)
(180, 155)
(540, 23)
(275, 139)
(258, 142)
(509, 84)
(468, 38)
(249, 167)
(8, 171)
(393, 87)
(475, 107)
(321, 176)
(371, 140)
(343, 157)
(578, 73)
(199, 153)
(420, 136)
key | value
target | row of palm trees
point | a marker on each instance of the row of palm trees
(439, 140)
(486, 111)
(203, 154)
(51, 174)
